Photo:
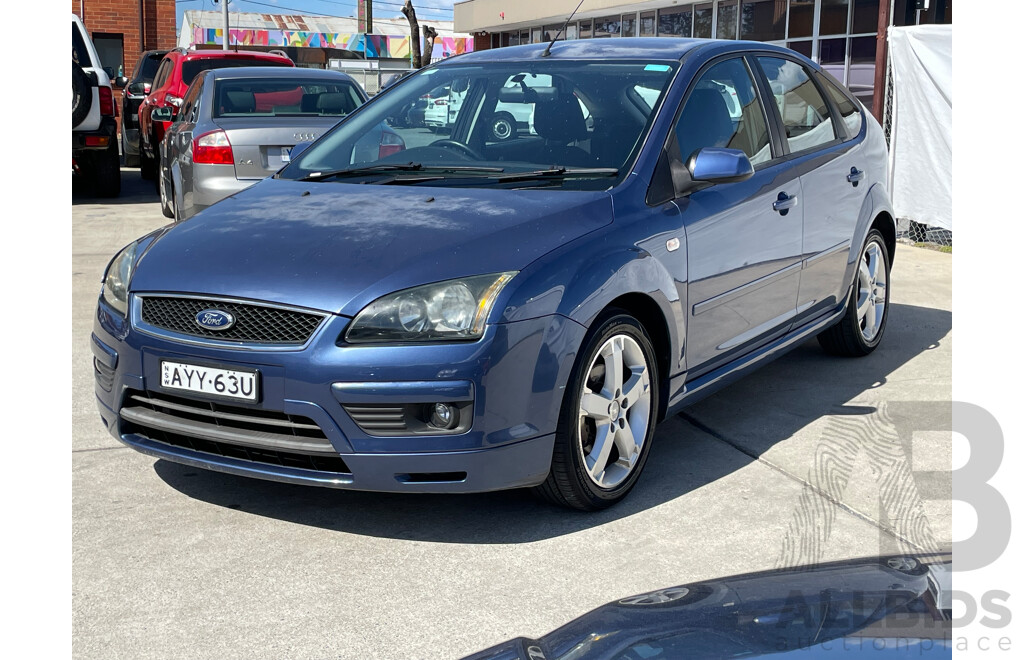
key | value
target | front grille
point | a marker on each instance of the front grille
(259, 324)
(261, 436)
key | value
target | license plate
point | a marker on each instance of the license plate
(286, 154)
(227, 383)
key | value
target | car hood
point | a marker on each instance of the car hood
(337, 247)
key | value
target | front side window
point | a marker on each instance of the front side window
(805, 114)
(190, 104)
(275, 97)
(564, 124)
(723, 110)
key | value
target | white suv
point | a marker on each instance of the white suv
(94, 153)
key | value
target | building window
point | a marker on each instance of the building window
(647, 23)
(537, 36)
(703, 19)
(586, 29)
(801, 18)
(675, 22)
(629, 25)
(608, 26)
(865, 16)
(763, 20)
(861, 80)
(551, 30)
(805, 48)
(832, 57)
(572, 32)
(110, 48)
(834, 14)
(727, 16)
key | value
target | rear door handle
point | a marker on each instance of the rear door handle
(784, 203)
(855, 176)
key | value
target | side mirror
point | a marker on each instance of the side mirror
(718, 165)
(163, 114)
(121, 81)
(298, 149)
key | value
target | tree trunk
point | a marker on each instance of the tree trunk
(414, 30)
(429, 35)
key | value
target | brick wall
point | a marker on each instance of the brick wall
(122, 17)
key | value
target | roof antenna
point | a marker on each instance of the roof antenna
(547, 51)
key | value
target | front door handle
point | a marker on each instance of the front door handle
(784, 203)
(855, 176)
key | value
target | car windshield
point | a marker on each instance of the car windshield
(192, 68)
(568, 124)
(269, 97)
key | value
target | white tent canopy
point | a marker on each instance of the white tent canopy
(921, 146)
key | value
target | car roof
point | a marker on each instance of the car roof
(230, 54)
(630, 48)
(276, 72)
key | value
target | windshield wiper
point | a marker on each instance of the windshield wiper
(559, 173)
(398, 167)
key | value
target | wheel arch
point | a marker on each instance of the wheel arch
(649, 314)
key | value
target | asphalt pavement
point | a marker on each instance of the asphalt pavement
(811, 458)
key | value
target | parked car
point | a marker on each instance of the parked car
(237, 126)
(170, 83)
(471, 314)
(133, 93)
(893, 607)
(94, 153)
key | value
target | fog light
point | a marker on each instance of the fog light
(444, 416)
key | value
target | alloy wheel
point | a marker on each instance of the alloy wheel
(871, 295)
(614, 411)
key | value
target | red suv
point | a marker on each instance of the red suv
(177, 70)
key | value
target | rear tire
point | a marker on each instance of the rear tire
(106, 172)
(606, 424)
(860, 330)
(130, 160)
(147, 165)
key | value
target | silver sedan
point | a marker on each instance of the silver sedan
(238, 126)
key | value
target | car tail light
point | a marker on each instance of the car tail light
(441, 102)
(390, 143)
(106, 102)
(212, 148)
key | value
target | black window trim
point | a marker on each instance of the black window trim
(779, 124)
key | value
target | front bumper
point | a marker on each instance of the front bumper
(514, 376)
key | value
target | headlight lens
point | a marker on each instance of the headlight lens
(115, 282)
(452, 310)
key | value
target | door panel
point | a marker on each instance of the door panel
(743, 264)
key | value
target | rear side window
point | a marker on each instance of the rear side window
(79, 53)
(162, 73)
(848, 110)
(723, 111)
(191, 68)
(149, 67)
(805, 114)
(265, 97)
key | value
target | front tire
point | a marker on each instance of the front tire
(167, 199)
(606, 424)
(860, 330)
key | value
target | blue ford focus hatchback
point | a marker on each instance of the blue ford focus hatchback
(603, 232)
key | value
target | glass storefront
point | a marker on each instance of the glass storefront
(838, 34)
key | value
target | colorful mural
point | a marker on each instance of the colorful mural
(371, 45)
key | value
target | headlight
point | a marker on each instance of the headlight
(115, 282)
(452, 310)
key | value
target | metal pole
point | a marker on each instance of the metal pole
(880, 60)
(227, 25)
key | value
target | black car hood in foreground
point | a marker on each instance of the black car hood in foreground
(878, 608)
(337, 246)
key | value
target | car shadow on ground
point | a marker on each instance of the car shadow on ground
(678, 464)
(134, 190)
